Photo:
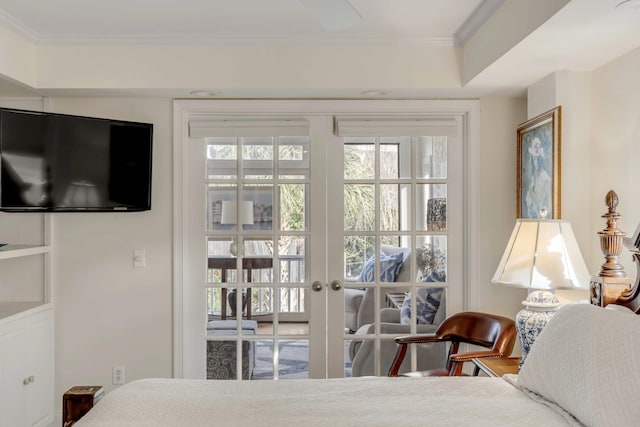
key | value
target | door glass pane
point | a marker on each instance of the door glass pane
(359, 206)
(292, 300)
(262, 303)
(390, 157)
(258, 260)
(293, 157)
(385, 266)
(218, 247)
(257, 207)
(389, 207)
(292, 250)
(431, 212)
(431, 157)
(293, 360)
(395, 205)
(263, 369)
(357, 249)
(221, 206)
(289, 358)
(350, 349)
(359, 159)
(424, 304)
(222, 356)
(257, 157)
(431, 259)
(222, 158)
(293, 202)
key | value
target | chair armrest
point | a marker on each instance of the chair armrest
(390, 315)
(417, 339)
(457, 360)
(403, 343)
(353, 298)
(466, 357)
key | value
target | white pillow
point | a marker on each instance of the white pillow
(587, 360)
(620, 308)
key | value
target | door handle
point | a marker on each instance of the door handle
(336, 285)
(317, 286)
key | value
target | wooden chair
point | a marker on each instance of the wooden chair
(496, 333)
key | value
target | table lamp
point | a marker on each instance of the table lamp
(229, 216)
(542, 255)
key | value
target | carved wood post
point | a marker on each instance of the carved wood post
(611, 281)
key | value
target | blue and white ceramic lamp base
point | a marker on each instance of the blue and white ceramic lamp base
(540, 306)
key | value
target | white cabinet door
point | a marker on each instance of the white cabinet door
(13, 371)
(26, 370)
(40, 402)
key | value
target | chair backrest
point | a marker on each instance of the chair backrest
(483, 329)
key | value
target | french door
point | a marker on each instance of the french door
(289, 212)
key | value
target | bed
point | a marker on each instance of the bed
(584, 369)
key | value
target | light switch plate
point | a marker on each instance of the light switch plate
(139, 258)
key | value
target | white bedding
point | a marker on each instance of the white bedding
(379, 401)
(586, 360)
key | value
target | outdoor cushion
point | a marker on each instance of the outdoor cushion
(389, 267)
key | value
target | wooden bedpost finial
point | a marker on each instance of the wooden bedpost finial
(611, 239)
(612, 201)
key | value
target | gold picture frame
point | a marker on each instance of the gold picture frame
(538, 166)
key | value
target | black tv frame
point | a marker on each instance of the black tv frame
(60, 208)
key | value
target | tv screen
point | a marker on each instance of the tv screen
(59, 162)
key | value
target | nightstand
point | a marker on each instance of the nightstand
(77, 401)
(498, 367)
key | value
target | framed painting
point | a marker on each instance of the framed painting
(538, 169)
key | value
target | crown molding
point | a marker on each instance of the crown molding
(159, 39)
(476, 20)
(18, 27)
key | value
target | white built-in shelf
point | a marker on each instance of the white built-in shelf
(11, 308)
(15, 251)
(8, 309)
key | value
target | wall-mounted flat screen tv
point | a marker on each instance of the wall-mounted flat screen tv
(63, 163)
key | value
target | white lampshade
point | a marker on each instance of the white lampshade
(542, 254)
(229, 214)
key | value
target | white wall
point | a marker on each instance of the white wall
(110, 313)
(107, 312)
(18, 59)
(571, 91)
(499, 119)
(285, 70)
(600, 147)
(615, 145)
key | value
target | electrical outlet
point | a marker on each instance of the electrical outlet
(118, 374)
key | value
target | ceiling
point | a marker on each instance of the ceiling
(582, 35)
(47, 21)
